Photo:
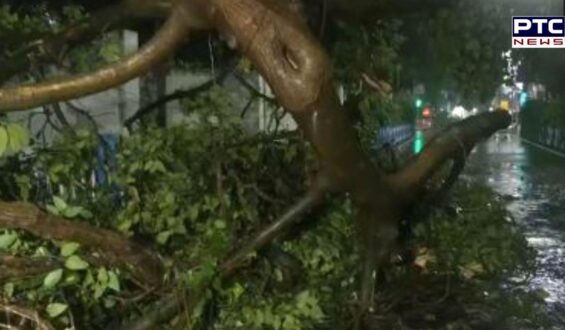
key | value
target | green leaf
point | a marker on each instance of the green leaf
(18, 137)
(53, 278)
(76, 263)
(86, 214)
(159, 167)
(114, 282)
(69, 248)
(125, 225)
(109, 302)
(7, 239)
(99, 289)
(60, 204)
(3, 140)
(110, 52)
(9, 289)
(56, 309)
(102, 276)
(72, 211)
(163, 237)
(194, 212)
(220, 224)
(53, 210)
(72, 278)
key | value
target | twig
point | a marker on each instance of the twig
(247, 106)
(379, 86)
(84, 113)
(254, 90)
(26, 314)
(180, 94)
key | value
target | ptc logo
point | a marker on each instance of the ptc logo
(538, 32)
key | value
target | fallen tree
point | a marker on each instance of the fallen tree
(275, 38)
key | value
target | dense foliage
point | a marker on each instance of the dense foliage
(194, 192)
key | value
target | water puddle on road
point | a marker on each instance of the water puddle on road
(533, 181)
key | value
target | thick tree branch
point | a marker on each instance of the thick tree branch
(297, 68)
(51, 48)
(12, 267)
(294, 214)
(453, 142)
(457, 167)
(163, 44)
(114, 248)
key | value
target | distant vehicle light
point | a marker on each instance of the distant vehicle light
(427, 113)
(459, 112)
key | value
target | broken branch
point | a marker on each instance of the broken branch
(12, 267)
(455, 141)
(114, 248)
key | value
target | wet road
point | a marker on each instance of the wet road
(533, 181)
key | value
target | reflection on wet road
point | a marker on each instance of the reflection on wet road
(534, 182)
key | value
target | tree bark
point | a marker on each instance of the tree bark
(453, 142)
(12, 267)
(114, 248)
(297, 68)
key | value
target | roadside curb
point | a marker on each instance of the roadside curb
(542, 147)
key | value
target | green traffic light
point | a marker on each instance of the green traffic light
(523, 98)
(419, 103)
(419, 142)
